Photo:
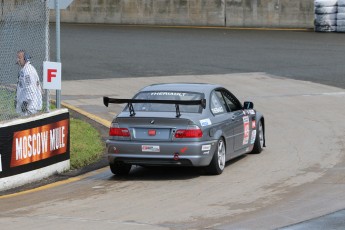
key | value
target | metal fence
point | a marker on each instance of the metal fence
(24, 25)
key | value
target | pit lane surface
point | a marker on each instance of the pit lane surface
(300, 175)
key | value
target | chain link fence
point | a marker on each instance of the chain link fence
(24, 26)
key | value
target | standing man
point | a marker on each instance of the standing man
(29, 92)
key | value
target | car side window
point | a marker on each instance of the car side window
(217, 103)
(231, 101)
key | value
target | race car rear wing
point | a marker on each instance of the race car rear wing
(107, 100)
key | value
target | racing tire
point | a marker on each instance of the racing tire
(120, 169)
(259, 139)
(341, 9)
(341, 29)
(341, 23)
(325, 28)
(341, 16)
(217, 165)
(325, 17)
(323, 3)
(326, 10)
(325, 23)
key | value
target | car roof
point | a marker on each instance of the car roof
(185, 87)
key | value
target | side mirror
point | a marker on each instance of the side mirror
(248, 105)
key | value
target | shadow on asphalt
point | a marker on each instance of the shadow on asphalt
(151, 173)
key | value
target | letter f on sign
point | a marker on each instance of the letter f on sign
(51, 74)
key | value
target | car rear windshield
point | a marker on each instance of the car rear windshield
(167, 95)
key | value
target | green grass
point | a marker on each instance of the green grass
(86, 144)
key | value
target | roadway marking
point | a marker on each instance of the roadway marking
(99, 120)
(102, 121)
(42, 187)
(325, 94)
(56, 184)
(204, 27)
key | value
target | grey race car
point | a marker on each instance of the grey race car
(183, 124)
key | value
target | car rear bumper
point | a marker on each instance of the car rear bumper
(163, 153)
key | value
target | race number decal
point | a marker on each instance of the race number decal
(246, 130)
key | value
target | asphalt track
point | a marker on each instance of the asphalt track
(299, 176)
(99, 52)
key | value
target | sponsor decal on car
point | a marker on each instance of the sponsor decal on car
(252, 139)
(150, 148)
(246, 130)
(253, 124)
(218, 110)
(183, 150)
(168, 94)
(205, 122)
(205, 147)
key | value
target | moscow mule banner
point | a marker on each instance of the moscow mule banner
(33, 145)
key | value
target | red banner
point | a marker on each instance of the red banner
(39, 143)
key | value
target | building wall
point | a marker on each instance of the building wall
(155, 12)
(270, 13)
(243, 13)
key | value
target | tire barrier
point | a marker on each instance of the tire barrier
(329, 15)
(341, 16)
(326, 15)
(341, 26)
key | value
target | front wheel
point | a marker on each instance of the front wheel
(217, 164)
(259, 139)
(120, 168)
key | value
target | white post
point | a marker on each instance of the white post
(58, 58)
(47, 51)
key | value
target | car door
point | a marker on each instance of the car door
(220, 111)
(240, 122)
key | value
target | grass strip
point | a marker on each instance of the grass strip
(86, 144)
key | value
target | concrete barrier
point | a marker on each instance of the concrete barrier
(243, 13)
(270, 13)
(33, 148)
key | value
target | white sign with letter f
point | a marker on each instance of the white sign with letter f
(52, 75)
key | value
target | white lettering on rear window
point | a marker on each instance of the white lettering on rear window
(168, 94)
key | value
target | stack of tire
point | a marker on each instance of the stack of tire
(326, 15)
(341, 16)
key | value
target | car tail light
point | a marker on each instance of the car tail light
(192, 131)
(116, 131)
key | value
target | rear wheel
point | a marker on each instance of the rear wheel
(120, 168)
(259, 139)
(217, 164)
